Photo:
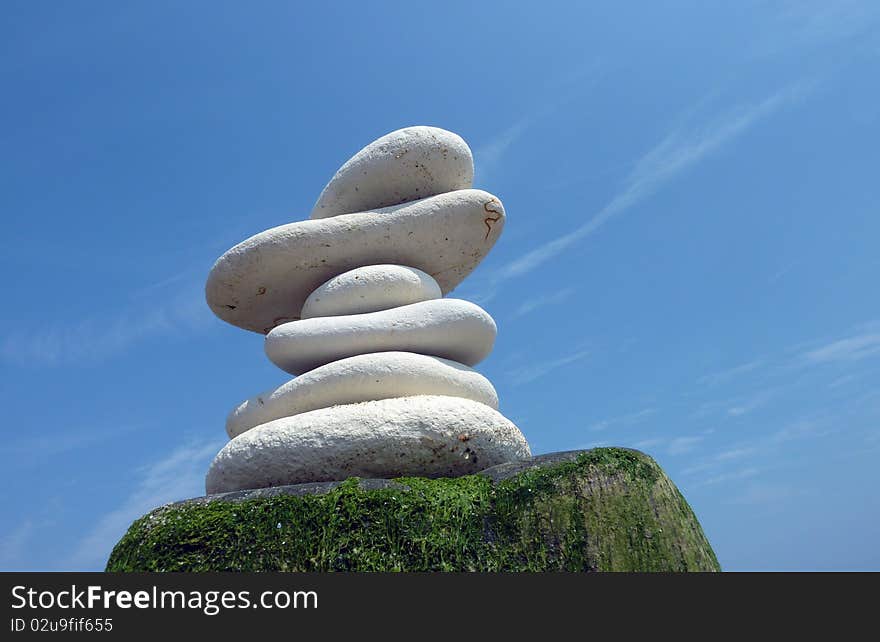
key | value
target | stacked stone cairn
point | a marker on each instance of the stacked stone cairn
(351, 303)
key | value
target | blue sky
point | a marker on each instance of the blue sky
(689, 265)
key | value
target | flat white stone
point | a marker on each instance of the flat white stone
(264, 281)
(450, 328)
(366, 377)
(370, 289)
(428, 436)
(405, 165)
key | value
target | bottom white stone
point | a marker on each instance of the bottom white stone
(425, 436)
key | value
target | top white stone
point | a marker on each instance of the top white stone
(264, 281)
(370, 289)
(405, 165)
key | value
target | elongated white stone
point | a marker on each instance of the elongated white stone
(366, 377)
(405, 165)
(430, 436)
(264, 281)
(370, 289)
(450, 328)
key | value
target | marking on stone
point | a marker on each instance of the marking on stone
(489, 220)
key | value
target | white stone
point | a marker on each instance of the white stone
(366, 377)
(405, 165)
(428, 436)
(450, 328)
(370, 289)
(264, 281)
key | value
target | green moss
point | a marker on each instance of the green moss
(611, 509)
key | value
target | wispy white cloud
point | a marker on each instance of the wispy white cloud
(719, 459)
(804, 24)
(714, 408)
(797, 430)
(683, 445)
(842, 381)
(739, 405)
(481, 294)
(762, 445)
(854, 348)
(749, 404)
(781, 272)
(724, 376)
(734, 453)
(103, 336)
(179, 475)
(736, 475)
(586, 445)
(676, 153)
(763, 493)
(13, 545)
(36, 448)
(675, 446)
(488, 155)
(554, 298)
(185, 278)
(528, 373)
(623, 420)
(648, 443)
(586, 73)
(800, 429)
(773, 376)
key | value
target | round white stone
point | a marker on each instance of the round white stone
(450, 328)
(428, 436)
(366, 377)
(405, 165)
(370, 289)
(264, 281)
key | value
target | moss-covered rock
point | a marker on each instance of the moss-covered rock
(606, 509)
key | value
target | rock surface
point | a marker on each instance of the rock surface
(370, 289)
(607, 509)
(405, 165)
(367, 377)
(433, 436)
(449, 328)
(265, 280)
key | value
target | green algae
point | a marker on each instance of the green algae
(611, 509)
